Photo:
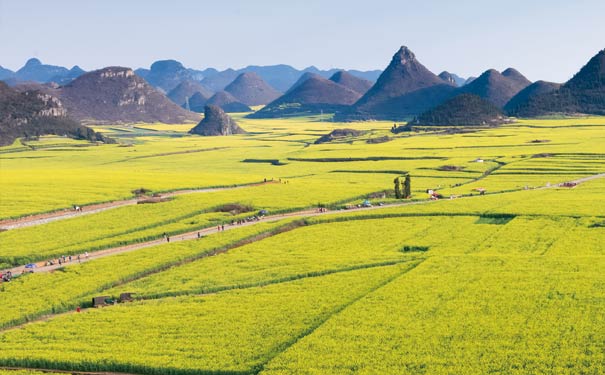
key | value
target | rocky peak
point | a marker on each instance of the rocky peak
(113, 72)
(216, 122)
(404, 56)
(117, 94)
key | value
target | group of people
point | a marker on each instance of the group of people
(245, 220)
(6, 276)
(67, 259)
(280, 181)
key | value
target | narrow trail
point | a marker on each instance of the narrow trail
(589, 178)
(193, 235)
(334, 314)
(37, 219)
(42, 267)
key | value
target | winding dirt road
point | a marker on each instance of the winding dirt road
(42, 267)
(37, 219)
(193, 235)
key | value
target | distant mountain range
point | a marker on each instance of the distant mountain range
(314, 94)
(406, 89)
(167, 74)
(497, 87)
(482, 100)
(35, 71)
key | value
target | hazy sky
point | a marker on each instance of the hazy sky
(544, 39)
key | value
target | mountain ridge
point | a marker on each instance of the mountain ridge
(117, 94)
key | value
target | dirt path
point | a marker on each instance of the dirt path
(589, 178)
(28, 221)
(41, 267)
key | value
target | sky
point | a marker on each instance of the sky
(543, 39)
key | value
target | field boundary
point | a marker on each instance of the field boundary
(335, 312)
(281, 280)
(75, 302)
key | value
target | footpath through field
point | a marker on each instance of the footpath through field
(42, 267)
(193, 235)
(37, 219)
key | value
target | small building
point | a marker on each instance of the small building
(100, 301)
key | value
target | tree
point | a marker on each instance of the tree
(407, 187)
(398, 188)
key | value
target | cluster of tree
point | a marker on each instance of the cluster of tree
(564, 100)
(403, 187)
(464, 109)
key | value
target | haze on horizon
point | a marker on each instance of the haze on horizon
(543, 39)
